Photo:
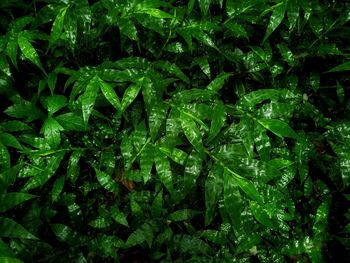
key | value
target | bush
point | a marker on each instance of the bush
(174, 131)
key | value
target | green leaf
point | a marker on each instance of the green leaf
(110, 95)
(218, 82)
(57, 188)
(164, 170)
(204, 6)
(218, 120)
(51, 130)
(213, 188)
(146, 162)
(261, 215)
(192, 132)
(183, 215)
(340, 92)
(10, 260)
(119, 217)
(71, 122)
(4, 157)
(286, 54)
(29, 51)
(130, 95)
(52, 163)
(9, 228)
(55, 103)
(279, 128)
(342, 67)
(193, 169)
(15, 126)
(155, 13)
(248, 188)
(10, 140)
(276, 18)
(232, 199)
(156, 118)
(73, 167)
(9, 200)
(64, 233)
(89, 97)
(107, 181)
(172, 69)
(128, 28)
(258, 96)
(57, 26)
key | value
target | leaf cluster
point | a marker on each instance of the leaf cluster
(174, 131)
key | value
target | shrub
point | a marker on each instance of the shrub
(174, 131)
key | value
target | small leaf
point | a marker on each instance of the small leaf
(4, 157)
(193, 169)
(218, 82)
(183, 215)
(9, 260)
(130, 95)
(279, 128)
(51, 129)
(164, 170)
(57, 26)
(128, 28)
(213, 188)
(107, 181)
(9, 200)
(9, 228)
(276, 18)
(218, 120)
(204, 6)
(192, 132)
(261, 215)
(155, 13)
(55, 103)
(71, 122)
(57, 188)
(342, 67)
(172, 69)
(232, 199)
(100, 222)
(10, 140)
(119, 217)
(255, 97)
(248, 188)
(73, 167)
(89, 97)
(29, 51)
(340, 92)
(110, 95)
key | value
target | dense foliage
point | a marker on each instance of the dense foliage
(174, 131)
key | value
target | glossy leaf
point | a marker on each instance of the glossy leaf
(88, 98)
(164, 171)
(232, 199)
(29, 51)
(276, 18)
(192, 132)
(218, 121)
(9, 228)
(57, 25)
(55, 103)
(9, 200)
(279, 128)
(106, 181)
(110, 95)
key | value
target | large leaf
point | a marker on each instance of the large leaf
(89, 97)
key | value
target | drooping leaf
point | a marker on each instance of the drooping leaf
(106, 181)
(232, 199)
